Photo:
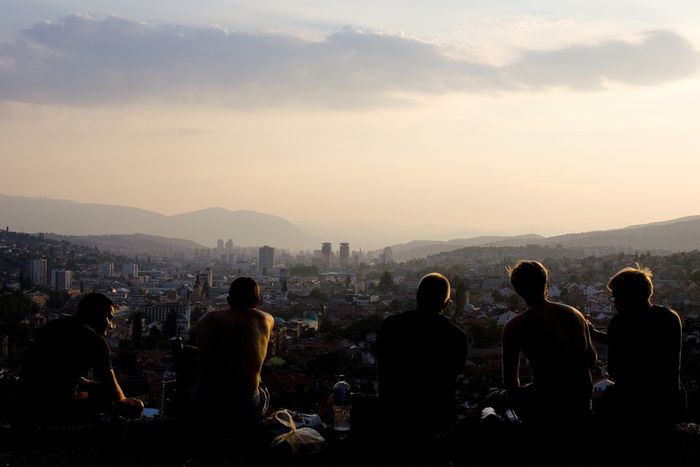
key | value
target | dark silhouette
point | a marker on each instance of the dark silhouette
(556, 341)
(54, 368)
(233, 346)
(644, 354)
(419, 355)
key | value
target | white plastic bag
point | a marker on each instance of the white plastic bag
(303, 439)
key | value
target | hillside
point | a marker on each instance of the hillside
(246, 228)
(132, 245)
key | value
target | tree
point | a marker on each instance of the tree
(316, 294)
(136, 329)
(460, 296)
(301, 270)
(386, 282)
(497, 296)
(485, 335)
(695, 276)
(170, 325)
(514, 302)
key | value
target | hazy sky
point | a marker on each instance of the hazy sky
(525, 116)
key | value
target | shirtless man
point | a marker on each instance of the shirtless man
(232, 349)
(556, 341)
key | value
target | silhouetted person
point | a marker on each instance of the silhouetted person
(644, 353)
(419, 355)
(232, 349)
(556, 341)
(55, 367)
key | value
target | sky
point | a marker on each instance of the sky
(473, 116)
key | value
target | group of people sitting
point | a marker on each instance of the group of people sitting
(420, 354)
(67, 372)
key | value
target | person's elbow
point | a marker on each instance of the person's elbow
(129, 408)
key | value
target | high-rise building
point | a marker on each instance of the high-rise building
(130, 270)
(61, 279)
(230, 257)
(105, 269)
(220, 244)
(387, 256)
(344, 257)
(37, 272)
(266, 258)
(206, 277)
(327, 254)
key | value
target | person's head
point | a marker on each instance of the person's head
(96, 311)
(529, 279)
(243, 294)
(631, 288)
(433, 292)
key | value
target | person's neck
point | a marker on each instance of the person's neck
(639, 306)
(533, 303)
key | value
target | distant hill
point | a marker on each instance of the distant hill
(249, 228)
(132, 245)
(423, 248)
(675, 235)
(246, 228)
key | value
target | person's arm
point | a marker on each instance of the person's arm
(590, 350)
(105, 379)
(270, 348)
(511, 357)
(613, 349)
(675, 342)
(597, 335)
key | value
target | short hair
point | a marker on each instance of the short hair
(433, 291)
(92, 307)
(528, 278)
(243, 294)
(632, 285)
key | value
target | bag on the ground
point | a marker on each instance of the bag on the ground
(304, 439)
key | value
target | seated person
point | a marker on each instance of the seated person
(644, 352)
(556, 341)
(419, 355)
(232, 349)
(55, 367)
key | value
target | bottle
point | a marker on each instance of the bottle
(341, 405)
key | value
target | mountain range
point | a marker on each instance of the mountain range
(246, 228)
(113, 227)
(681, 234)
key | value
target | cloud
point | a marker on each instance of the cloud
(660, 56)
(81, 60)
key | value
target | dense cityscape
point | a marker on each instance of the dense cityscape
(327, 305)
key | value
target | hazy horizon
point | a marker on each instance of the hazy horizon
(457, 117)
(374, 235)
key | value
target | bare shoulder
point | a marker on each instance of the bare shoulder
(211, 316)
(563, 308)
(266, 318)
(515, 323)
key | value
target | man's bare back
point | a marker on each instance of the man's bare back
(554, 338)
(233, 346)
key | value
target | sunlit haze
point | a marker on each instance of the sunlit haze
(543, 117)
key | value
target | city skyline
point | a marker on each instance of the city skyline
(526, 117)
